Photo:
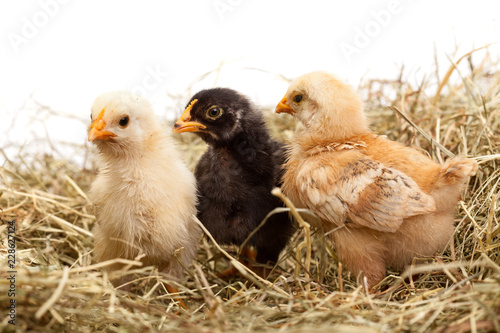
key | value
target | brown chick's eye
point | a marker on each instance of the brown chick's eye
(124, 121)
(214, 112)
(297, 98)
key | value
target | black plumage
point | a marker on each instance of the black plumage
(237, 173)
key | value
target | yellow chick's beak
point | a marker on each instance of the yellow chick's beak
(97, 129)
(185, 125)
(283, 107)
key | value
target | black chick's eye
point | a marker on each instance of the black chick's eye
(297, 98)
(214, 112)
(124, 121)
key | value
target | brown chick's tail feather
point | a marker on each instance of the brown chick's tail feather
(456, 171)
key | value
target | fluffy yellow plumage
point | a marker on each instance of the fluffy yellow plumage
(144, 196)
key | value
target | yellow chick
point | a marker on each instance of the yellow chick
(144, 196)
(390, 202)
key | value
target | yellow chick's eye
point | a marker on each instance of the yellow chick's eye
(297, 98)
(214, 112)
(124, 121)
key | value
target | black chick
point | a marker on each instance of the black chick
(237, 173)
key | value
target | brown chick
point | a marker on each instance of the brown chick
(391, 202)
(144, 196)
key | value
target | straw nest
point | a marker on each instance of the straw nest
(59, 287)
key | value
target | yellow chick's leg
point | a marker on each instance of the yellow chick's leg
(173, 290)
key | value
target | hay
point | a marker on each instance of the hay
(59, 288)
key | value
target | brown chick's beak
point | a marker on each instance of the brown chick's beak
(185, 125)
(283, 107)
(96, 129)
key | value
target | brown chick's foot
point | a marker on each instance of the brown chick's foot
(370, 280)
(455, 171)
(173, 290)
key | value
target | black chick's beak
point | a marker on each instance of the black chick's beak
(184, 124)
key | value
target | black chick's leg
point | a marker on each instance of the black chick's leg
(247, 256)
(271, 240)
(266, 256)
(228, 273)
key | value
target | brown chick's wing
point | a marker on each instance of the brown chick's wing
(365, 191)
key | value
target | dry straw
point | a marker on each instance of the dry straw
(59, 288)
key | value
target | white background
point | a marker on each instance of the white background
(63, 54)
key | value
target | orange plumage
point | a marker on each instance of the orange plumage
(392, 202)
